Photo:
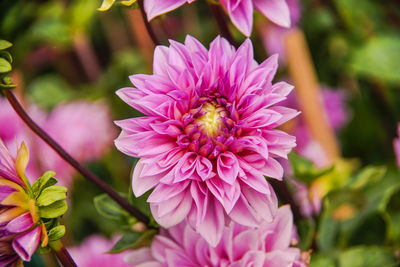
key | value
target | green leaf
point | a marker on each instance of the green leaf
(368, 175)
(305, 170)
(46, 180)
(132, 240)
(6, 55)
(6, 82)
(306, 230)
(5, 66)
(109, 208)
(378, 58)
(367, 257)
(4, 44)
(56, 233)
(318, 260)
(51, 194)
(106, 5)
(42, 250)
(54, 210)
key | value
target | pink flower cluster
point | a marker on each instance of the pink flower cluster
(19, 232)
(239, 11)
(209, 138)
(86, 137)
(93, 252)
(240, 246)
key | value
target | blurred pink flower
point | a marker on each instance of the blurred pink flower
(93, 252)
(10, 124)
(269, 245)
(20, 233)
(396, 145)
(273, 36)
(239, 11)
(209, 137)
(86, 137)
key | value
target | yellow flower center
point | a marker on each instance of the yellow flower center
(210, 120)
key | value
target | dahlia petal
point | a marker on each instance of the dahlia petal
(287, 114)
(244, 242)
(159, 246)
(160, 60)
(283, 223)
(155, 8)
(243, 214)
(228, 167)
(253, 258)
(276, 10)
(140, 256)
(176, 215)
(141, 184)
(265, 205)
(278, 258)
(164, 192)
(282, 88)
(212, 227)
(20, 224)
(241, 14)
(25, 244)
(200, 197)
(225, 193)
(178, 258)
(273, 169)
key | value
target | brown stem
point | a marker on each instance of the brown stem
(62, 254)
(73, 162)
(148, 26)
(219, 18)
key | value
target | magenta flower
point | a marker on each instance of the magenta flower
(93, 252)
(396, 146)
(20, 233)
(239, 11)
(10, 123)
(269, 245)
(209, 137)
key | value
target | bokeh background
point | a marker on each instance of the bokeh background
(69, 59)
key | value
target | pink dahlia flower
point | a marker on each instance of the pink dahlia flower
(239, 11)
(268, 245)
(10, 124)
(20, 233)
(93, 252)
(396, 145)
(209, 137)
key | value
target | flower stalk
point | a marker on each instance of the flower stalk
(219, 18)
(148, 26)
(62, 254)
(74, 163)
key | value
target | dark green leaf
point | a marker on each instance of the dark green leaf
(56, 233)
(132, 240)
(6, 55)
(109, 208)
